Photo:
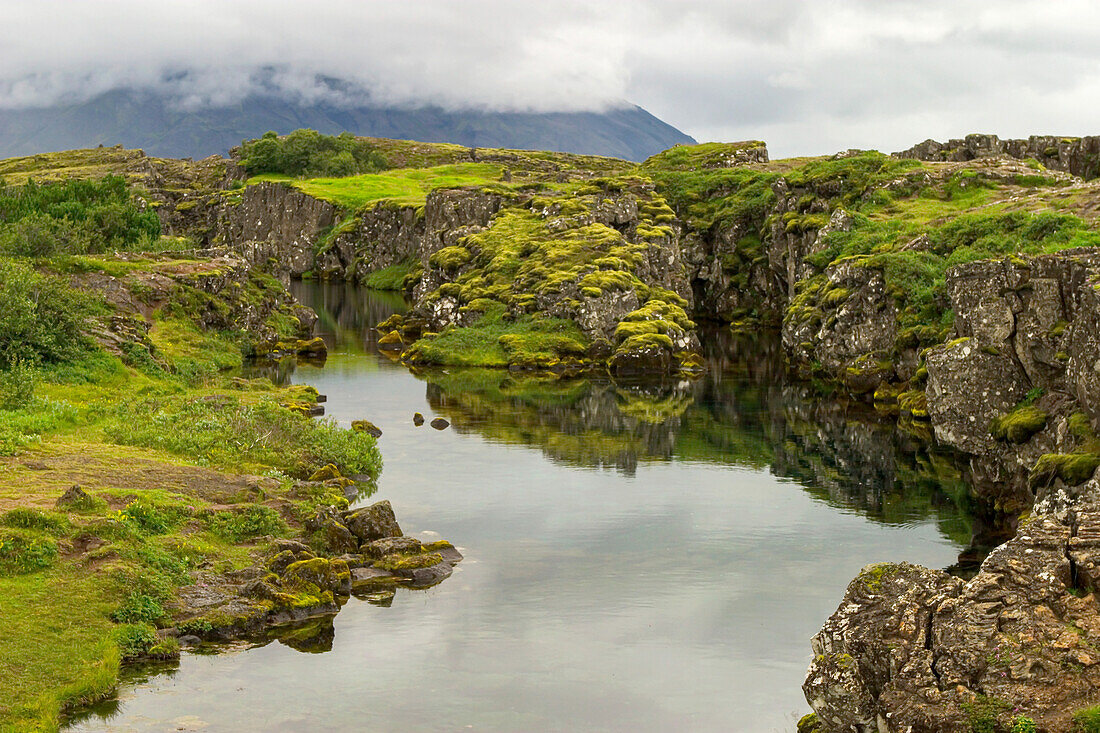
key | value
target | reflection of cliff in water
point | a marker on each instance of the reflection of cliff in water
(742, 412)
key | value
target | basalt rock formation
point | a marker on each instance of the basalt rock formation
(1077, 155)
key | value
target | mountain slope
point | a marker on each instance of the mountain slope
(151, 122)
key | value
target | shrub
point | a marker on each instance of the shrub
(1087, 720)
(1023, 724)
(73, 217)
(139, 608)
(226, 433)
(23, 518)
(17, 385)
(253, 521)
(25, 552)
(148, 517)
(41, 317)
(134, 640)
(309, 153)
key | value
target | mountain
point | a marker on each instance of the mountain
(152, 122)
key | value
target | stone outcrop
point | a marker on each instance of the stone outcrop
(275, 221)
(912, 649)
(1079, 156)
(353, 551)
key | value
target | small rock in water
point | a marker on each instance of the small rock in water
(366, 426)
(418, 419)
(440, 424)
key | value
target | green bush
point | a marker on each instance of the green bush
(17, 385)
(25, 552)
(1087, 720)
(73, 217)
(148, 517)
(41, 317)
(253, 521)
(135, 640)
(1023, 724)
(139, 608)
(309, 153)
(23, 518)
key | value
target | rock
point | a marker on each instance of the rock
(446, 550)
(338, 538)
(366, 426)
(373, 523)
(440, 424)
(365, 577)
(330, 575)
(75, 497)
(908, 647)
(312, 347)
(418, 419)
(189, 640)
(1075, 155)
(282, 545)
(968, 386)
(391, 546)
(326, 473)
(429, 576)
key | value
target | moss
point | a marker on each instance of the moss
(809, 724)
(644, 341)
(450, 259)
(1019, 425)
(872, 576)
(1071, 468)
(397, 563)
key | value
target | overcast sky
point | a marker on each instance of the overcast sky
(808, 77)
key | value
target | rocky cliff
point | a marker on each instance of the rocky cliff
(1077, 155)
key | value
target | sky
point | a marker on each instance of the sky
(807, 77)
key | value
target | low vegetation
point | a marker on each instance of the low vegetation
(309, 153)
(145, 411)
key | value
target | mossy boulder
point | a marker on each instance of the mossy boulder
(1019, 425)
(320, 572)
(327, 472)
(391, 546)
(1071, 468)
(373, 523)
(366, 426)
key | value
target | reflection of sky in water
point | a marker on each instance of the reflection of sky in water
(682, 597)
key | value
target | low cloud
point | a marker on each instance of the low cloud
(808, 77)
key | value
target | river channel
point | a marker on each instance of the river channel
(639, 557)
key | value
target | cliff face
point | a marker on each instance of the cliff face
(1079, 156)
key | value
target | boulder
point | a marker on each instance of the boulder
(373, 523)
(968, 386)
(440, 424)
(391, 546)
(418, 419)
(75, 497)
(912, 649)
(366, 426)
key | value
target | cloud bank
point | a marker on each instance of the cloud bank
(808, 77)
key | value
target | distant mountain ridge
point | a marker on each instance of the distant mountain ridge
(150, 121)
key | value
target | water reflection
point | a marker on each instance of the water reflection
(640, 556)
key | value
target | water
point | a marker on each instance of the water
(642, 557)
